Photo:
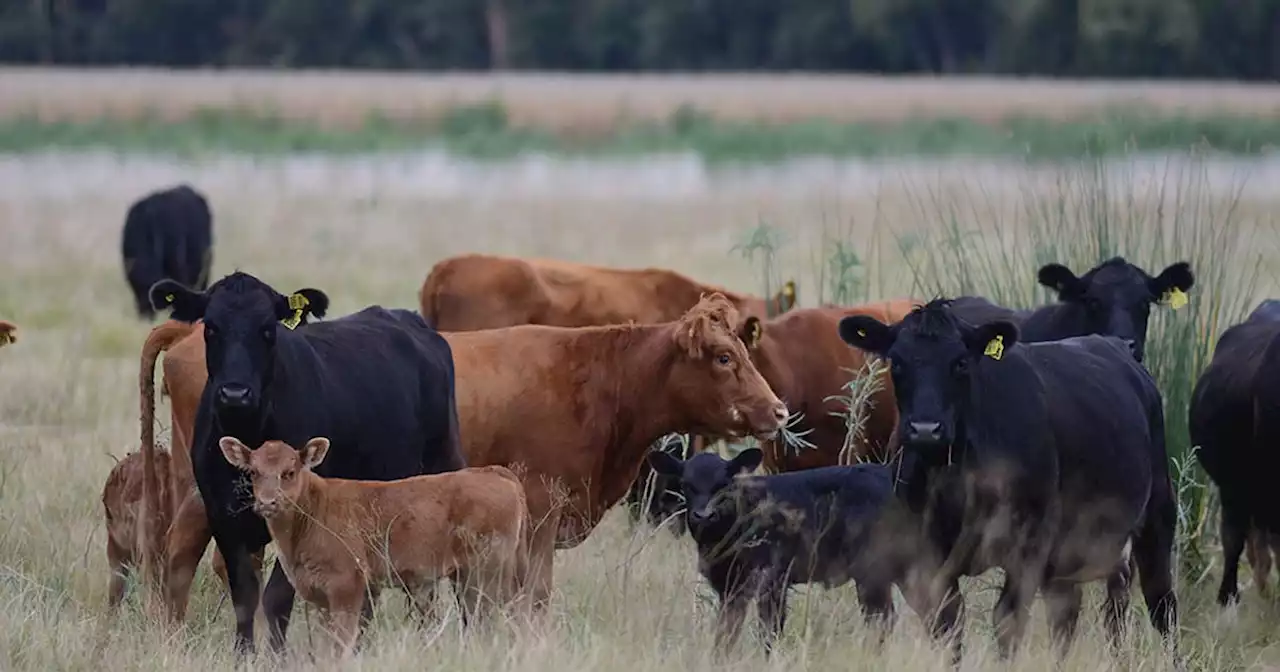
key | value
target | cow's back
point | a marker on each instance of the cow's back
(380, 385)
(473, 292)
(1107, 420)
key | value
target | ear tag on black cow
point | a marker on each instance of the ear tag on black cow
(168, 299)
(862, 333)
(995, 349)
(1175, 298)
(297, 303)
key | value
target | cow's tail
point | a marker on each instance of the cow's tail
(159, 340)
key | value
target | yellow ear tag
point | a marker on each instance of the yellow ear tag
(297, 303)
(789, 289)
(755, 334)
(862, 333)
(995, 349)
(168, 298)
(1176, 298)
(5, 339)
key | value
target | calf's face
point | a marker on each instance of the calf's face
(703, 479)
(275, 470)
(714, 380)
(1115, 297)
(931, 354)
(242, 317)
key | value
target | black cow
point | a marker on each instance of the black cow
(167, 234)
(759, 535)
(1112, 299)
(656, 497)
(1046, 460)
(1234, 419)
(379, 383)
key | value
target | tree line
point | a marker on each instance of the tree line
(1237, 39)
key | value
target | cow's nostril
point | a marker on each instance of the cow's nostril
(924, 431)
(781, 413)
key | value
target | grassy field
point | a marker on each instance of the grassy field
(366, 229)
(721, 117)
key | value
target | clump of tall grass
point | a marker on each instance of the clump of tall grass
(973, 242)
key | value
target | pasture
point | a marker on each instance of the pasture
(366, 229)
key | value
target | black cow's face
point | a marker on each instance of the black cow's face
(1115, 297)
(702, 478)
(931, 353)
(242, 318)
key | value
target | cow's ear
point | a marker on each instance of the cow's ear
(665, 463)
(1172, 284)
(295, 308)
(751, 332)
(866, 333)
(992, 339)
(184, 304)
(236, 452)
(746, 461)
(314, 452)
(8, 333)
(787, 297)
(1060, 279)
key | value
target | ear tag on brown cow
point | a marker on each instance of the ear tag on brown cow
(5, 339)
(789, 290)
(297, 303)
(1175, 298)
(995, 349)
(755, 334)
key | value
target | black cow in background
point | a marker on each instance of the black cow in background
(1047, 460)
(167, 234)
(1113, 299)
(1234, 420)
(759, 535)
(379, 383)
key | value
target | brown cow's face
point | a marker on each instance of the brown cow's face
(714, 379)
(276, 470)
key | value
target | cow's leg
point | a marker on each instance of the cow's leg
(1063, 601)
(117, 561)
(188, 537)
(277, 606)
(1271, 552)
(1257, 551)
(772, 608)
(542, 553)
(1153, 554)
(1234, 527)
(244, 590)
(876, 599)
(1010, 614)
(733, 611)
(1116, 606)
(346, 603)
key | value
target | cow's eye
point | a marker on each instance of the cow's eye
(269, 333)
(724, 359)
(210, 331)
(288, 475)
(960, 367)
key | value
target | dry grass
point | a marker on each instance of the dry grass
(367, 231)
(583, 104)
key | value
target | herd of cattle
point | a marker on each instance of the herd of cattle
(470, 440)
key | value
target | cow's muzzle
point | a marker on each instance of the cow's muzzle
(924, 433)
(235, 395)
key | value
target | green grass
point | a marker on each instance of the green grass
(483, 131)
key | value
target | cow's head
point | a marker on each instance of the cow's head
(931, 353)
(717, 386)
(703, 478)
(8, 333)
(243, 317)
(1114, 298)
(278, 472)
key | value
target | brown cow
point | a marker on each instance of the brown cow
(340, 539)
(477, 291)
(8, 333)
(807, 365)
(578, 408)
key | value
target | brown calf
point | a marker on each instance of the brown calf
(8, 333)
(122, 505)
(476, 291)
(578, 408)
(339, 539)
